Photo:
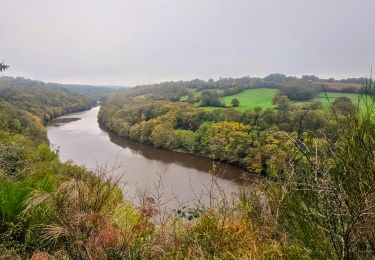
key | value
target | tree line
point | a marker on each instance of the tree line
(40, 99)
(315, 202)
(226, 135)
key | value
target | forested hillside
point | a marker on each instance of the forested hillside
(38, 194)
(169, 129)
(316, 200)
(246, 137)
(91, 93)
(40, 99)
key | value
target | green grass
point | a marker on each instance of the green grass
(262, 97)
(250, 98)
(355, 98)
(333, 95)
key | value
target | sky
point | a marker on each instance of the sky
(131, 42)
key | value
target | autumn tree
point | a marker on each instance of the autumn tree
(223, 140)
(163, 136)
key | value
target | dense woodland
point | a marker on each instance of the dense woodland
(244, 138)
(316, 199)
(40, 99)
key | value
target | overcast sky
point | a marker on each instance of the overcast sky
(129, 42)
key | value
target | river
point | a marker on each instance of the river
(173, 178)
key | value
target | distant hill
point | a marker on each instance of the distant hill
(90, 92)
(190, 91)
(87, 89)
(43, 100)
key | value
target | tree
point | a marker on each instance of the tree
(163, 135)
(235, 102)
(300, 90)
(3, 66)
(311, 78)
(223, 140)
(343, 105)
(276, 77)
(210, 98)
(192, 98)
(282, 102)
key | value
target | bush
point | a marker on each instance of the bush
(235, 102)
(211, 98)
(185, 139)
(343, 105)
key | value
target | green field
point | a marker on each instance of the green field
(355, 98)
(250, 98)
(333, 95)
(262, 97)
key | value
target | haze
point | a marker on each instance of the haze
(145, 41)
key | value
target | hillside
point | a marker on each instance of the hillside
(250, 99)
(47, 207)
(316, 179)
(40, 99)
(29, 168)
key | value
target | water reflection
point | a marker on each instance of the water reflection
(191, 161)
(182, 176)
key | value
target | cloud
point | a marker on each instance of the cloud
(133, 42)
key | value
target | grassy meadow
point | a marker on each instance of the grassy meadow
(262, 97)
(249, 99)
(329, 97)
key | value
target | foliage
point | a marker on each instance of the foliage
(325, 198)
(163, 136)
(223, 140)
(316, 200)
(235, 102)
(300, 90)
(343, 105)
(177, 125)
(38, 99)
(210, 98)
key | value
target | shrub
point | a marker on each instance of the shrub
(235, 102)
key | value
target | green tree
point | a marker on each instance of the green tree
(210, 98)
(192, 98)
(185, 139)
(281, 102)
(235, 102)
(343, 105)
(300, 90)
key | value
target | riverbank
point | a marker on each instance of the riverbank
(244, 173)
(183, 176)
(113, 131)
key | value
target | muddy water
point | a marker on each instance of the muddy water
(173, 178)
